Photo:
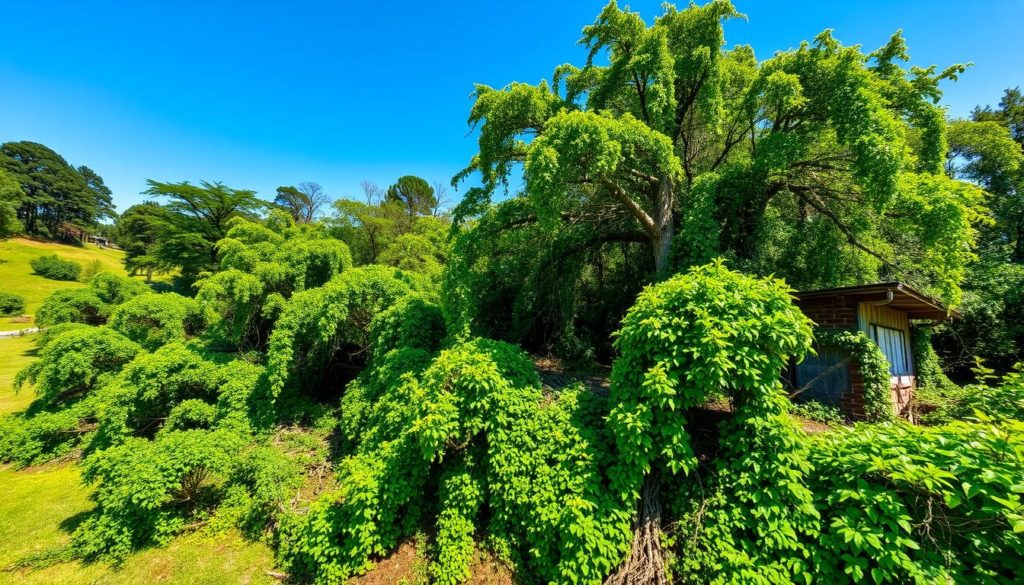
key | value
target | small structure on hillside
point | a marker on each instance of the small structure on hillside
(882, 312)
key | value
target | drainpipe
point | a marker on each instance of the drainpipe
(888, 299)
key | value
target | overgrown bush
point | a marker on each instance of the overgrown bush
(114, 290)
(475, 419)
(911, 504)
(56, 268)
(72, 305)
(75, 363)
(154, 319)
(11, 304)
(149, 491)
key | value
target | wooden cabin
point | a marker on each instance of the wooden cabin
(883, 312)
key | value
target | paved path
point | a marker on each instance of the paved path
(19, 332)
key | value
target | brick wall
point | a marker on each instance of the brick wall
(831, 313)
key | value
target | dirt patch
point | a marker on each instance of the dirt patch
(556, 375)
(408, 566)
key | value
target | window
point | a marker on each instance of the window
(894, 345)
(829, 381)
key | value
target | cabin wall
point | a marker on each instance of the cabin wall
(904, 383)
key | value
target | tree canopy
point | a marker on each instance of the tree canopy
(53, 192)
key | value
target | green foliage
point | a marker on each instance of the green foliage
(261, 268)
(56, 268)
(52, 192)
(1000, 400)
(475, 418)
(935, 391)
(74, 364)
(11, 304)
(114, 290)
(918, 504)
(872, 365)
(11, 197)
(91, 305)
(149, 491)
(73, 305)
(414, 194)
(712, 333)
(196, 217)
(317, 325)
(819, 412)
(154, 319)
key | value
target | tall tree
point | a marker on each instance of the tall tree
(998, 169)
(304, 202)
(683, 137)
(414, 193)
(199, 216)
(102, 195)
(55, 192)
(988, 149)
(11, 197)
(138, 232)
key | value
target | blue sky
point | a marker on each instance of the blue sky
(261, 94)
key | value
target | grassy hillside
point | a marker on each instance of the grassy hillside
(16, 274)
(40, 506)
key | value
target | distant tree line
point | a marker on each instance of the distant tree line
(42, 194)
(179, 228)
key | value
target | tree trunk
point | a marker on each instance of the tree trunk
(664, 230)
(645, 564)
(662, 246)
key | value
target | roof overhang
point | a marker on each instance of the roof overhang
(894, 295)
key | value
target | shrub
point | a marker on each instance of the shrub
(154, 319)
(315, 325)
(91, 269)
(476, 419)
(72, 305)
(149, 491)
(1002, 402)
(11, 304)
(56, 268)
(114, 290)
(908, 504)
(816, 411)
(75, 363)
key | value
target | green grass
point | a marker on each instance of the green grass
(15, 354)
(40, 506)
(16, 274)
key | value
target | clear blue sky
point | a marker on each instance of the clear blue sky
(260, 94)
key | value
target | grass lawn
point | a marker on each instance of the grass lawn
(15, 354)
(16, 274)
(40, 506)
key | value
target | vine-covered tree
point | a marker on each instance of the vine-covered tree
(821, 164)
(822, 154)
